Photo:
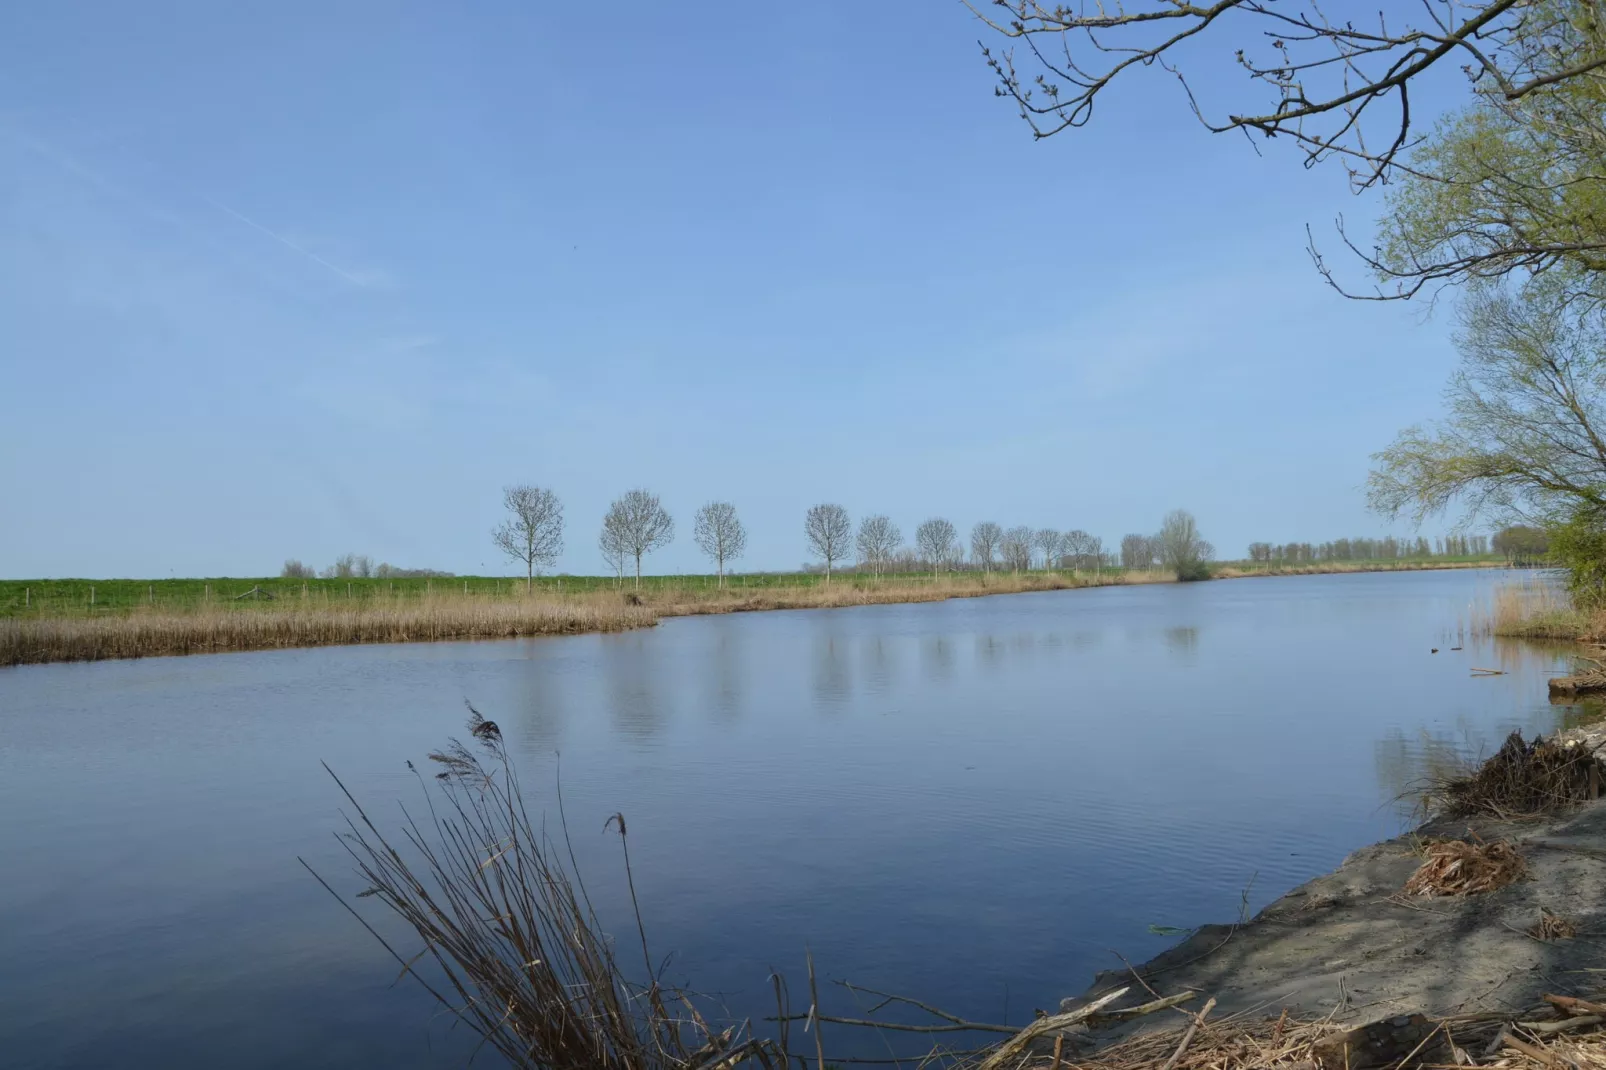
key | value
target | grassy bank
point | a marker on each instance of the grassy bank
(1537, 611)
(202, 617)
(1244, 569)
(87, 620)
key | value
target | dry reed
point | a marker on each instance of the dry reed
(1457, 867)
(1532, 610)
(1523, 779)
(216, 628)
(521, 956)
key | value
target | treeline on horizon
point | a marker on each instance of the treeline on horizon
(637, 524)
(1388, 548)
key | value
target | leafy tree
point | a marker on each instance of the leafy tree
(1525, 438)
(1182, 549)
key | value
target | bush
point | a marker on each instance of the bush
(1193, 571)
(1579, 546)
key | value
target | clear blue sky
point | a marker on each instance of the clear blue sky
(297, 279)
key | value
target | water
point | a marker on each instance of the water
(977, 802)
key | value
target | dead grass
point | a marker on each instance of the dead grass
(1522, 780)
(218, 628)
(1553, 1042)
(244, 625)
(1534, 610)
(510, 943)
(1553, 927)
(1458, 867)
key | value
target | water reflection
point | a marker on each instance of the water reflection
(636, 687)
(725, 679)
(937, 656)
(879, 664)
(1183, 641)
(539, 704)
(832, 676)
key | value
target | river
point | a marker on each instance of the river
(978, 802)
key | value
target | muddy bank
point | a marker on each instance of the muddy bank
(1351, 943)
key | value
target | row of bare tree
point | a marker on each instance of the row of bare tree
(1365, 549)
(637, 523)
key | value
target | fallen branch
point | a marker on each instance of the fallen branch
(1566, 1025)
(1014, 1046)
(1187, 1038)
(1574, 1005)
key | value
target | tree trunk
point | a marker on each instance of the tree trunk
(529, 576)
(638, 572)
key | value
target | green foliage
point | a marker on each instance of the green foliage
(1193, 571)
(1526, 432)
(1579, 545)
(1513, 183)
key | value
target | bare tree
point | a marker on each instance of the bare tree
(533, 530)
(636, 524)
(611, 543)
(985, 539)
(1016, 548)
(878, 539)
(1181, 547)
(1094, 554)
(362, 566)
(937, 542)
(344, 568)
(295, 570)
(1321, 78)
(1078, 545)
(1047, 541)
(1138, 551)
(828, 530)
(719, 534)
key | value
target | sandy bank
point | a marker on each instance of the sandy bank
(1352, 944)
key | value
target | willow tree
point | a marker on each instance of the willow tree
(1525, 435)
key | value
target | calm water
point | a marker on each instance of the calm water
(976, 802)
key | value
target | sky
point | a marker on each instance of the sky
(296, 279)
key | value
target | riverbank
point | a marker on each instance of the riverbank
(1355, 945)
(265, 617)
(241, 625)
(260, 617)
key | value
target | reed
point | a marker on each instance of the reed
(518, 954)
(206, 629)
(1532, 610)
(217, 627)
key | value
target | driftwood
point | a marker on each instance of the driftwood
(1187, 1037)
(1011, 1049)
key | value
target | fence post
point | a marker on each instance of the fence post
(27, 597)
(91, 594)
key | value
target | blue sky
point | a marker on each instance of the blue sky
(300, 279)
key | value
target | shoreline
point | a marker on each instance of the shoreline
(1351, 945)
(229, 628)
